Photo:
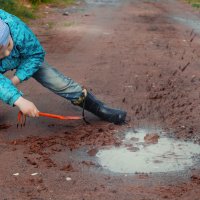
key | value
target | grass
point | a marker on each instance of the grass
(26, 9)
(16, 8)
(194, 3)
(56, 2)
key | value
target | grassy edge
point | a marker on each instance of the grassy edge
(27, 11)
(194, 3)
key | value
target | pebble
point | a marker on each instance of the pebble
(68, 179)
(66, 13)
(34, 174)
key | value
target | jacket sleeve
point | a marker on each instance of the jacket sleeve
(31, 52)
(8, 92)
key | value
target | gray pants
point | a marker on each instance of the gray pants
(55, 81)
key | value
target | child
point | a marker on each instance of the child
(21, 50)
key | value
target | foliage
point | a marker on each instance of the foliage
(58, 2)
(25, 9)
(16, 8)
(194, 3)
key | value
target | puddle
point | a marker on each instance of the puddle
(103, 2)
(136, 155)
(194, 24)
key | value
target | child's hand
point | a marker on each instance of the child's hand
(27, 107)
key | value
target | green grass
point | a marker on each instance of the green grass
(16, 7)
(194, 3)
(55, 2)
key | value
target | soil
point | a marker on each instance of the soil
(151, 138)
(134, 55)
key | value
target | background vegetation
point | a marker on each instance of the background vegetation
(26, 9)
(195, 3)
(17, 8)
(57, 2)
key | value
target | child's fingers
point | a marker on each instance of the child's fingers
(37, 114)
(32, 113)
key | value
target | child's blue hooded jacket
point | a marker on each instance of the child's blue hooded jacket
(26, 57)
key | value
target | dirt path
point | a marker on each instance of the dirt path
(142, 56)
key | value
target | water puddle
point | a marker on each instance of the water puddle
(144, 153)
(103, 2)
(194, 24)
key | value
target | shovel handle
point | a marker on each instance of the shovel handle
(59, 116)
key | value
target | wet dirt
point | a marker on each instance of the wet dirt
(151, 138)
(134, 55)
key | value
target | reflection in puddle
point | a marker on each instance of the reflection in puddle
(138, 155)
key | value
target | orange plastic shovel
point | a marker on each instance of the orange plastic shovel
(22, 118)
(59, 116)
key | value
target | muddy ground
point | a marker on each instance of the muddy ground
(141, 56)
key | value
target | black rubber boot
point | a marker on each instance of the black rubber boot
(93, 105)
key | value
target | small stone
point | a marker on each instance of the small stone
(92, 152)
(66, 13)
(34, 174)
(151, 138)
(68, 179)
